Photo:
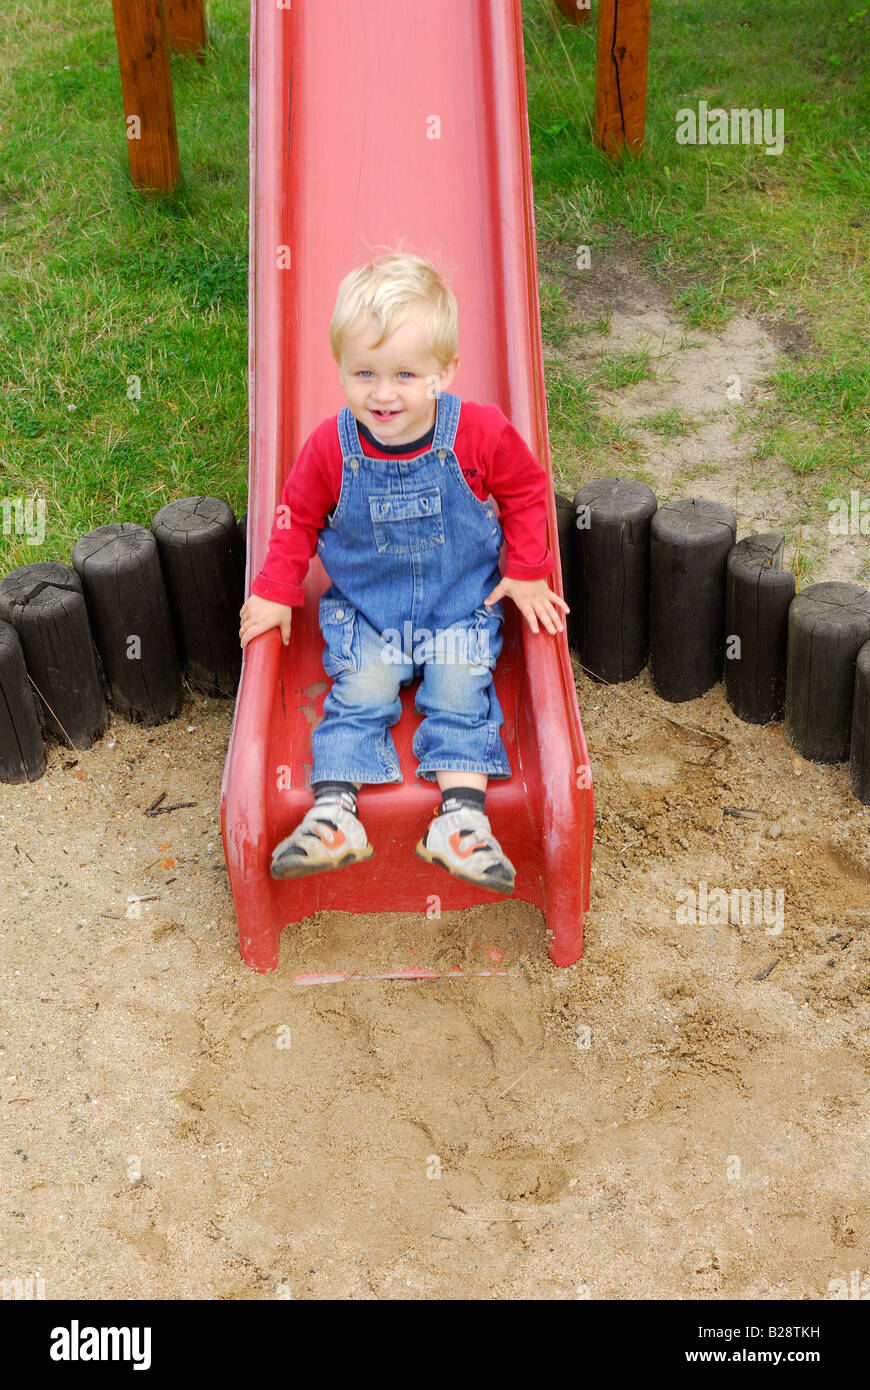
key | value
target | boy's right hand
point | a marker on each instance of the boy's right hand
(259, 614)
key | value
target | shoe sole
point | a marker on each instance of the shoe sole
(305, 870)
(423, 853)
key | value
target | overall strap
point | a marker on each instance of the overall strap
(348, 434)
(446, 420)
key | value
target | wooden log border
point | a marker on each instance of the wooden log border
(46, 605)
(199, 533)
(828, 625)
(690, 538)
(859, 761)
(119, 567)
(611, 595)
(758, 595)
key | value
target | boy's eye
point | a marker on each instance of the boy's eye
(364, 371)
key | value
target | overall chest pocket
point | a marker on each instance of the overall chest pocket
(406, 522)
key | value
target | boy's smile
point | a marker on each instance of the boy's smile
(391, 388)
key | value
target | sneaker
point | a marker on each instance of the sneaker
(462, 842)
(329, 837)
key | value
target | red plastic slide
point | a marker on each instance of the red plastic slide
(378, 125)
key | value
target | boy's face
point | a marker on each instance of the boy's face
(391, 389)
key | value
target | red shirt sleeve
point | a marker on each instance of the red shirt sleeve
(309, 494)
(518, 483)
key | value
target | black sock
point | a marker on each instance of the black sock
(328, 791)
(462, 796)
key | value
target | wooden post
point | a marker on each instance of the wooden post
(119, 569)
(612, 519)
(578, 11)
(828, 625)
(689, 543)
(45, 603)
(197, 541)
(185, 24)
(620, 74)
(146, 84)
(758, 594)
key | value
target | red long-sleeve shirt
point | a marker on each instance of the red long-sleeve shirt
(494, 458)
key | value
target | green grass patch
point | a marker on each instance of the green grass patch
(123, 351)
(623, 369)
(671, 424)
(584, 442)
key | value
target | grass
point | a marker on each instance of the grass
(805, 425)
(623, 369)
(731, 228)
(803, 557)
(670, 424)
(123, 348)
(582, 439)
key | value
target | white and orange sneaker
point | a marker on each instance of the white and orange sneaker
(462, 842)
(329, 836)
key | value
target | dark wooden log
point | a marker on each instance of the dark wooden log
(45, 604)
(22, 751)
(690, 541)
(568, 558)
(199, 551)
(859, 760)
(612, 530)
(758, 594)
(827, 626)
(120, 570)
(242, 530)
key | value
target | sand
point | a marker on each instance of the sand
(680, 1115)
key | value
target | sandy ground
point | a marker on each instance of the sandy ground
(680, 1115)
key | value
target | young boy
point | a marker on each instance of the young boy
(393, 493)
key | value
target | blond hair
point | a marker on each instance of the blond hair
(393, 289)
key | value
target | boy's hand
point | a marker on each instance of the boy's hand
(259, 614)
(535, 600)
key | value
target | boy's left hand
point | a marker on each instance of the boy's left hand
(535, 600)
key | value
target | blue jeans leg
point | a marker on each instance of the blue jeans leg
(461, 729)
(353, 743)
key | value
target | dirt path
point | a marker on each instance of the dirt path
(717, 384)
(680, 1115)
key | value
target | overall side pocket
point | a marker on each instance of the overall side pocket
(340, 631)
(484, 636)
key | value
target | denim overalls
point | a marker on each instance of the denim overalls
(412, 554)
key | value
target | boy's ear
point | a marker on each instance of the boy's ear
(449, 373)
